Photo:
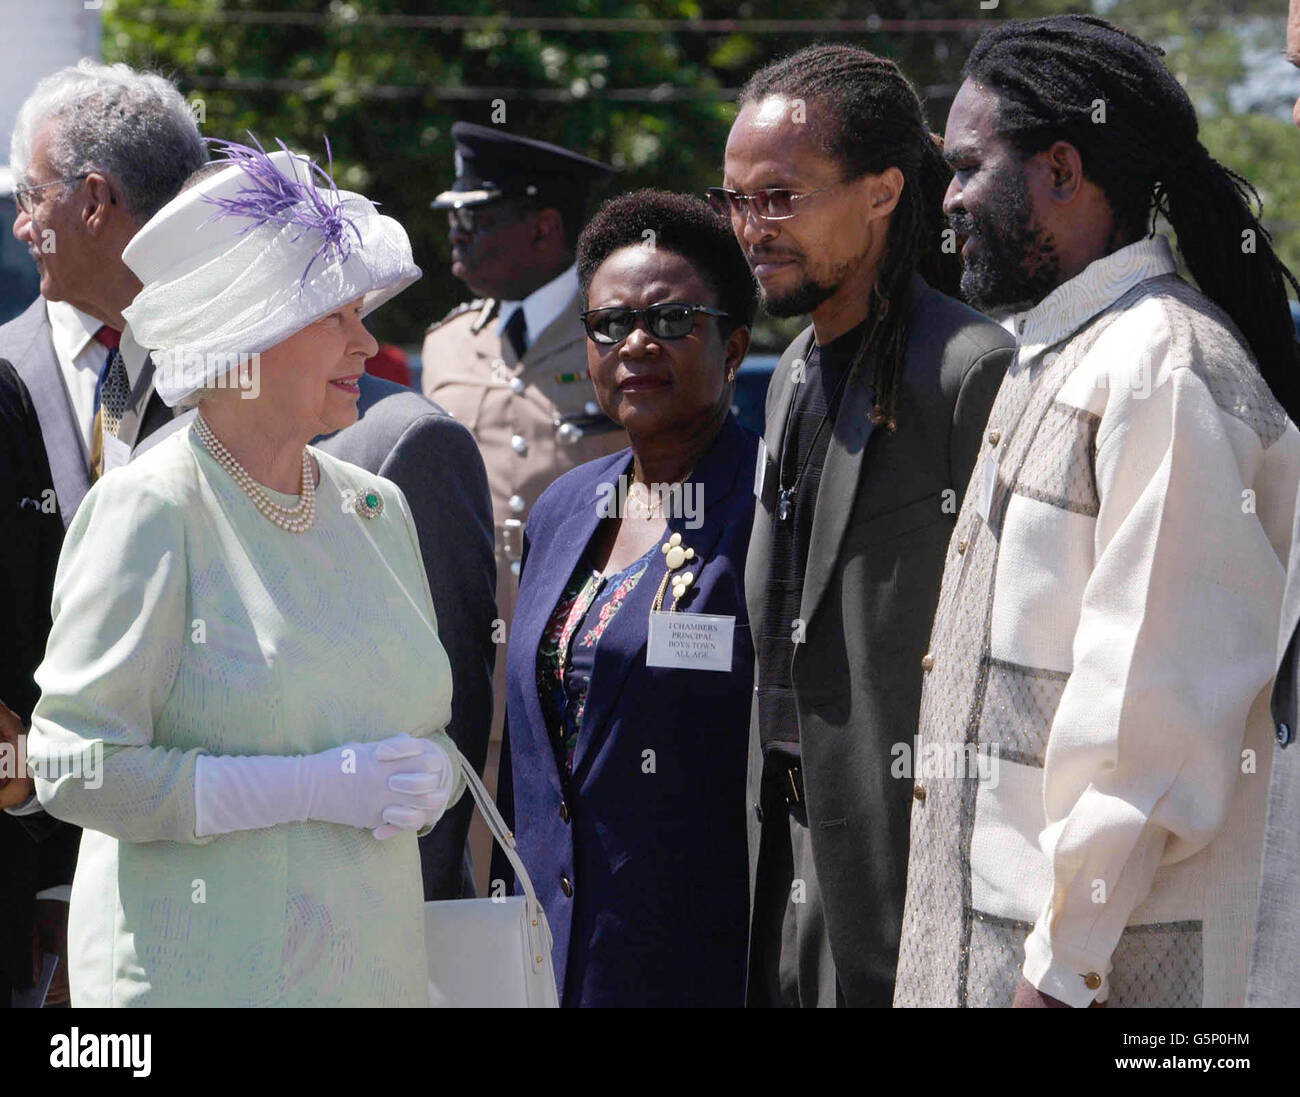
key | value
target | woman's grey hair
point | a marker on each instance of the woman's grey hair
(135, 127)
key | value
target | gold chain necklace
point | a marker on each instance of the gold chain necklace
(641, 502)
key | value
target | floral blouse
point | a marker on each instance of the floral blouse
(567, 652)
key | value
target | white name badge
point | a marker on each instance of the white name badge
(690, 641)
(116, 453)
(760, 469)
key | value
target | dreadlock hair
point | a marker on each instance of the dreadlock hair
(865, 115)
(1052, 75)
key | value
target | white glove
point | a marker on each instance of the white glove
(395, 784)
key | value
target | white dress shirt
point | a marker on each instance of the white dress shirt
(542, 306)
(81, 358)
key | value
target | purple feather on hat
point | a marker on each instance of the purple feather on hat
(270, 195)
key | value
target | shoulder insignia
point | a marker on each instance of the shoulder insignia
(459, 310)
(485, 314)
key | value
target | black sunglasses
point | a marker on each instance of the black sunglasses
(474, 219)
(669, 320)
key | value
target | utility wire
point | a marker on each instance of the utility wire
(344, 15)
(662, 93)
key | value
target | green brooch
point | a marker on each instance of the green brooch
(369, 503)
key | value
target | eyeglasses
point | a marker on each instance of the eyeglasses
(669, 320)
(484, 218)
(770, 203)
(23, 193)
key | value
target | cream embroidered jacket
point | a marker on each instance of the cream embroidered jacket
(1107, 630)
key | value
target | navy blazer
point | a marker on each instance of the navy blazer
(640, 863)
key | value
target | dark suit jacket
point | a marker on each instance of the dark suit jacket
(43, 478)
(653, 844)
(410, 440)
(36, 851)
(886, 508)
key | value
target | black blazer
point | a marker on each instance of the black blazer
(639, 860)
(43, 478)
(886, 507)
(36, 851)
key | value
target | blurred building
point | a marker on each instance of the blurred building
(38, 38)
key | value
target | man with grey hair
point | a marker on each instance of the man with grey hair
(97, 150)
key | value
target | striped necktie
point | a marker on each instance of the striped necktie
(112, 395)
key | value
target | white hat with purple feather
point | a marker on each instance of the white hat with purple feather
(250, 255)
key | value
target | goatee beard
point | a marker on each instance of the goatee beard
(798, 301)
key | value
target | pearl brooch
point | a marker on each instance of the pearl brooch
(676, 552)
(295, 519)
(676, 555)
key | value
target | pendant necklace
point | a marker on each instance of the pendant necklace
(652, 504)
(784, 494)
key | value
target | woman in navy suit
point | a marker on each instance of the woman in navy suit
(624, 768)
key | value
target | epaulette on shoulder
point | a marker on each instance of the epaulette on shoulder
(459, 310)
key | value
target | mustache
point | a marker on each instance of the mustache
(963, 224)
(756, 257)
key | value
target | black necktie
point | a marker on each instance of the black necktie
(516, 333)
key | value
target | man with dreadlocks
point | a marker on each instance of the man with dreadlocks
(1111, 598)
(874, 419)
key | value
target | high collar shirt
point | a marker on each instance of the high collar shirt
(1095, 739)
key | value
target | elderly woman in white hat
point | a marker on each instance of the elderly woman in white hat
(244, 693)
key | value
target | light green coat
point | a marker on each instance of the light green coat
(186, 623)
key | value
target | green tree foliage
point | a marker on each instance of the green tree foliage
(1227, 54)
(652, 97)
(1269, 148)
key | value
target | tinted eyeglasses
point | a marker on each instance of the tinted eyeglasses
(770, 203)
(484, 218)
(668, 320)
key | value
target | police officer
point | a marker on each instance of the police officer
(512, 365)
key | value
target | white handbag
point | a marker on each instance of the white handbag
(490, 952)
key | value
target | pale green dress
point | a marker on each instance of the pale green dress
(186, 623)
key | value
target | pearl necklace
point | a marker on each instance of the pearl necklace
(295, 519)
